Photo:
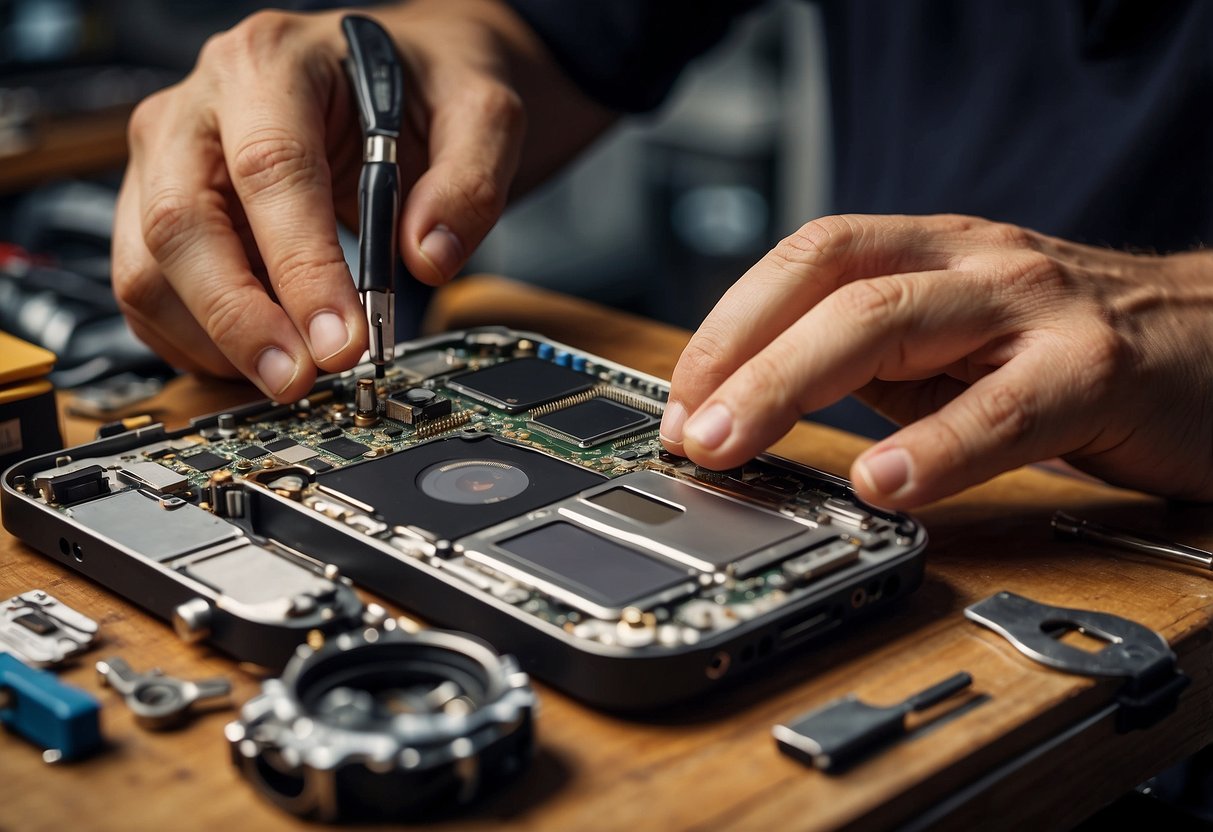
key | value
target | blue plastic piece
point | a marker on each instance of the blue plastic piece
(579, 363)
(545, 352)
(562, 359)
(47, 712)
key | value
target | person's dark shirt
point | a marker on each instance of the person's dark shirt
(1088, 119)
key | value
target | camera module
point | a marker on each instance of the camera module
(473, 481)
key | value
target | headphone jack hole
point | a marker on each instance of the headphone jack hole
(719, 665)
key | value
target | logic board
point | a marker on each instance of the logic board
(493, 481)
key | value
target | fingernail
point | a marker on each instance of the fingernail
(442, 250)
(886, 472)
(671, 422)
(276, 369)
(328, 334)
(709, 428)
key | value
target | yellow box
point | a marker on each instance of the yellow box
(29, 422)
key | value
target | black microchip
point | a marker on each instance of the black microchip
(397, 485)
(266, 435)
(252, 451)
(279, 444)
(595, 421)
(36, 622)
(330, 432)
(205, 461)
(319, 465)
(393, 431)
(521, 384)
(627, 455)
(345, 448)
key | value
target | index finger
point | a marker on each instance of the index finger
(791, 279)
(274, 146)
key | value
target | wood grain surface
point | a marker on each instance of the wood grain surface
(713, 764)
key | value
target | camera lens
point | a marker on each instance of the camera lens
(473, 481)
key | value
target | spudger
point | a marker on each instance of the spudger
(378, 83)
(841, 732)
(1067, 526)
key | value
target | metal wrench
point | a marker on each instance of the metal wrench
(158, 701)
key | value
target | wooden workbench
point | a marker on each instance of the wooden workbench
(714, 764)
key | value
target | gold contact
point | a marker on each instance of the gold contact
(601, 391)
(446, 423)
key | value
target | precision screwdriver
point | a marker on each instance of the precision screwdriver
(1069, 527)
(378, 83)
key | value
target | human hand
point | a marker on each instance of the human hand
(994, 346)
(225, 254)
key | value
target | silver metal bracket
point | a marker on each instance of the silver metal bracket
(1133, 652)
(43, 631)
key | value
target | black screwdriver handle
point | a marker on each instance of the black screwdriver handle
(375, 71)
(937, 693)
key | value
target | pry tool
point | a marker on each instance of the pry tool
(1069, 527)
(841, 732)
(378, 83)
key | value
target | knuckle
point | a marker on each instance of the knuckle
(959, 223)
(137, 289)
(224, 317)
(817, 240)
(166, 217)
(145, 115)
(216, 50)
(1034, 274)
(1009, 235)
(501, 105)
(947, 441)
(1006, 413)
(767, 372)
(272, 160)
(300, 274)
(261, 30)
(481, 194)
(871, 303)
(702, 358)
(1105, 355)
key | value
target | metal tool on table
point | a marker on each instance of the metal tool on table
(841, 732)
(41, 630)
(378, 83)
(386, 724)
(1069, 527)
(159, 701)
(1133, 652)
(59, 718)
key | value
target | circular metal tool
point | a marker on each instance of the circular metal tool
(386, 724)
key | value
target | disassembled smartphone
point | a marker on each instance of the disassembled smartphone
(493, 482)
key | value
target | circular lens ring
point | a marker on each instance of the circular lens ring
(473, 481)
(397, 767)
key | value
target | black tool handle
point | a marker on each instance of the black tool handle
(379, 204)
(937, 693)
(376, 74)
